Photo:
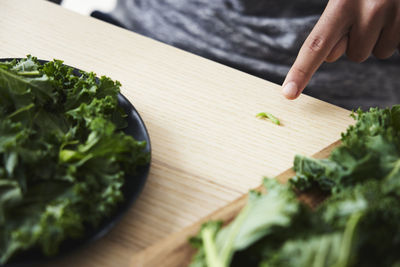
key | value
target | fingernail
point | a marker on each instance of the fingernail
(290, 90)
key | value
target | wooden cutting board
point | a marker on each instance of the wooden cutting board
(175, 250)
(208, 148)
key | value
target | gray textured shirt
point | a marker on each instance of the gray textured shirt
(262, 37)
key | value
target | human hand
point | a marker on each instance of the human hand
(355, 27)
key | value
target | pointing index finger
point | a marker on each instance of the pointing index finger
(329, 29)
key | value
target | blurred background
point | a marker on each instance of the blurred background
(86, 7)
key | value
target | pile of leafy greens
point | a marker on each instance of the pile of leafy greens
(63, 156)
(358, 224)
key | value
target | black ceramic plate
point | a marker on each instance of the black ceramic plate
(131, 189)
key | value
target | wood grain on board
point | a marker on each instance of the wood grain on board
(175, 250)
(208, 147)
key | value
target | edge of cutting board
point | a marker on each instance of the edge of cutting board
(175, 250)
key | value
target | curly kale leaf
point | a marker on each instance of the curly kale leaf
(370, 150)
(63, 158)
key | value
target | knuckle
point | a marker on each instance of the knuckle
(347, 10)
(341, 4)
(382, 54)
(375, 7)
(330, 59)
(316, 43)
(396, 21)
(357, 56)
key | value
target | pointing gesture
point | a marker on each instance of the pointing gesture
(355, 27)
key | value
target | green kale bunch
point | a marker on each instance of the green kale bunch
(63, 156)
(357, 225)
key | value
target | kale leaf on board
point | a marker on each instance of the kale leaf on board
(63, 158)
(357, 225)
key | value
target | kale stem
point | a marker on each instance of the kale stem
(266, 115)
(28, 73)
(18, 111)
(347, 240)
(210, 249)
(227, 250)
